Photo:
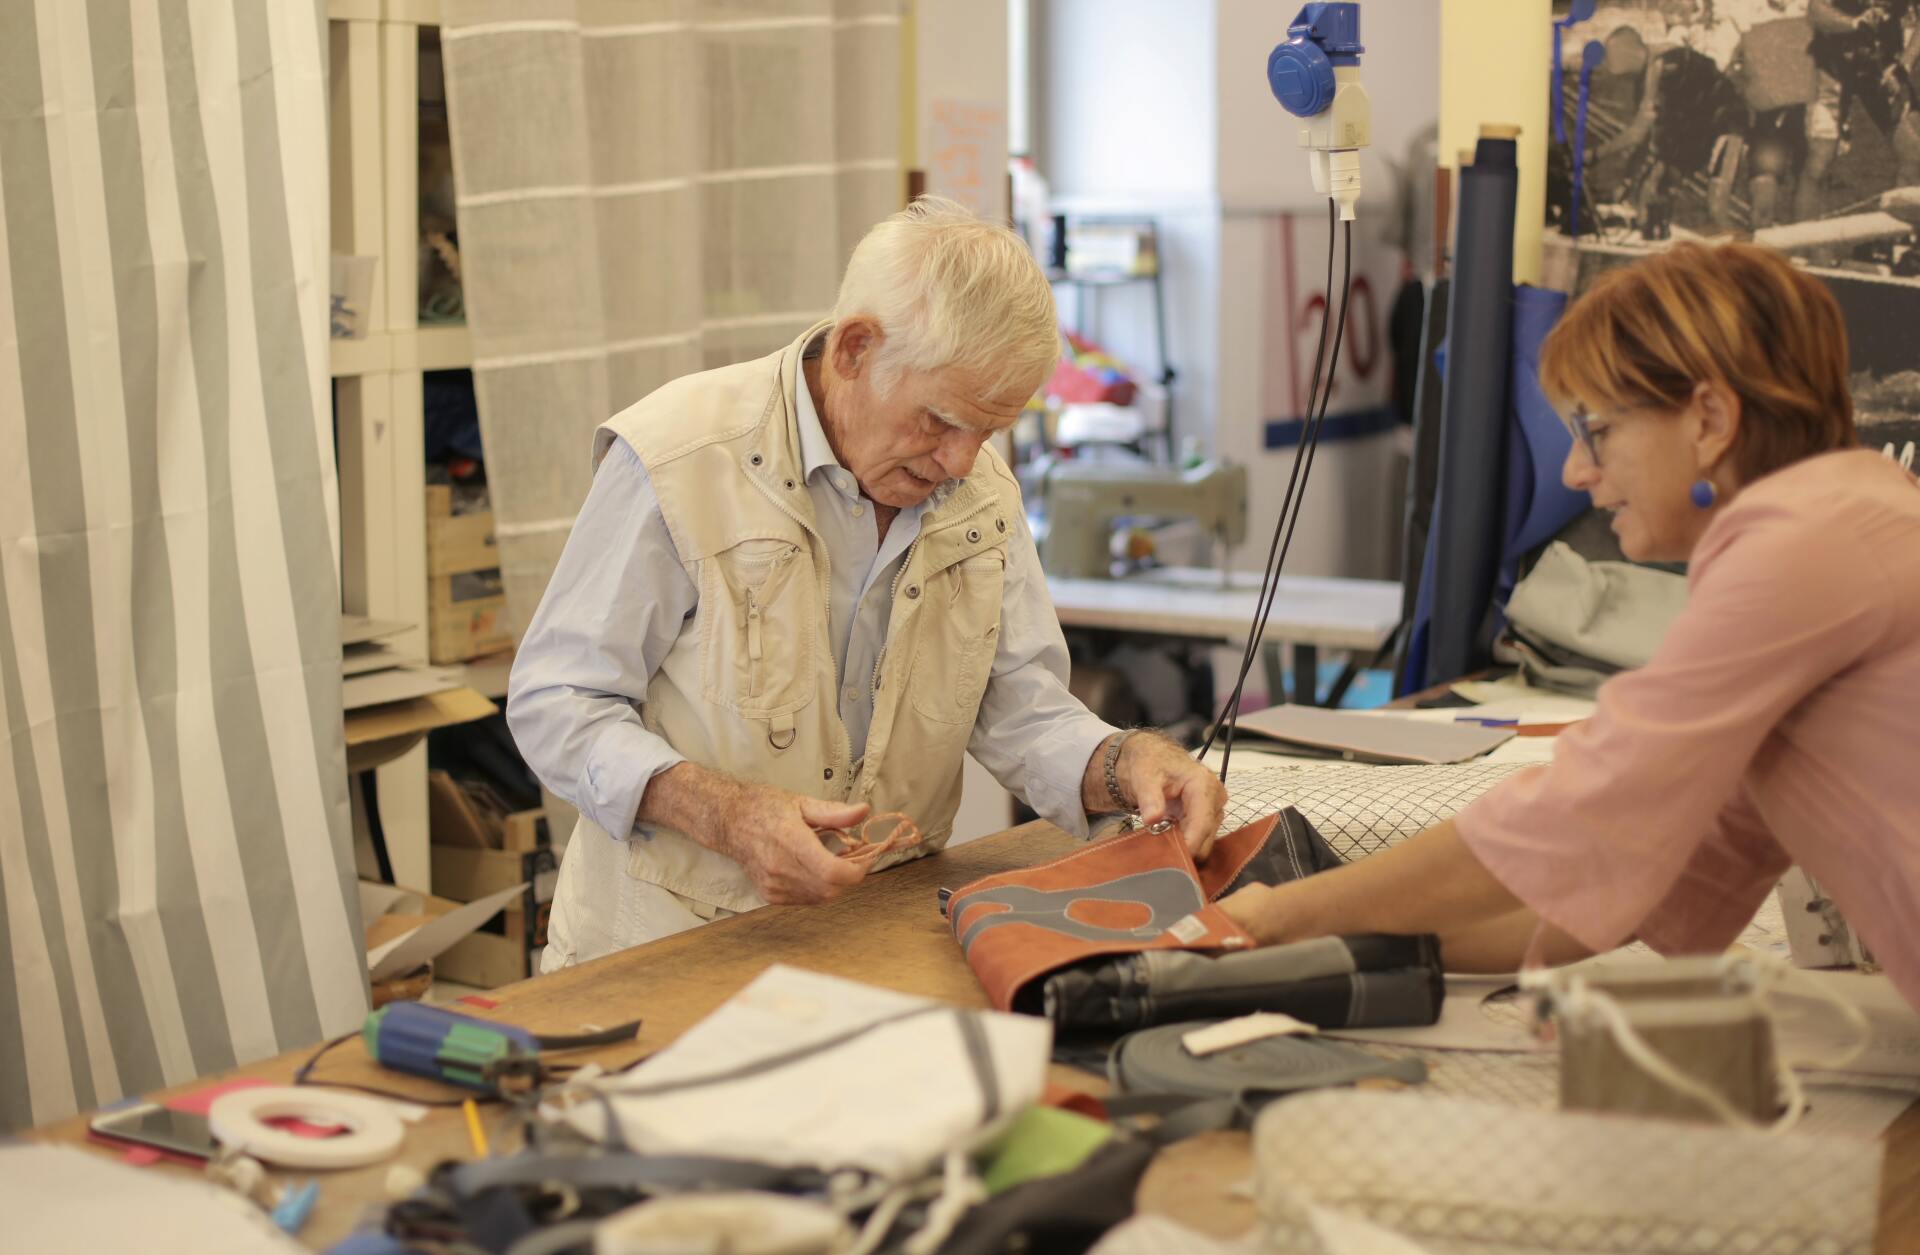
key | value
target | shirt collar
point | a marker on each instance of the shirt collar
(816, 451)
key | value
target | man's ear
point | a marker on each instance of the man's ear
(853, 345)
(1718, 422)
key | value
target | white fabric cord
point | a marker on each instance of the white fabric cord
(646, 197)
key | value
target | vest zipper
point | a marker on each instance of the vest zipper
(753, 643)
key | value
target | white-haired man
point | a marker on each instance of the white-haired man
(800, 590)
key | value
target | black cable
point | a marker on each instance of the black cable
(1312, 441)
(1268, 574)
(1295, 498)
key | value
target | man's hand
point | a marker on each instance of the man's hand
(771, 833)
(768, 831)
(1161, 781)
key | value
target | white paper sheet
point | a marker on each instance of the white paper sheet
(58, 1198)
(410, 950)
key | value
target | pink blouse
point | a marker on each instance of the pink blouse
(1778, 723)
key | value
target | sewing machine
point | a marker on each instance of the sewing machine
(1082, 501)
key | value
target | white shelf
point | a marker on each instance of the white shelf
(368, 355)
(445, 346)
(441, 346)
(415, 12)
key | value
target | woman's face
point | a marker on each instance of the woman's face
(1639, 463)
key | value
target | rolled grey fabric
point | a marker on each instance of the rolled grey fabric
(1155, 1061)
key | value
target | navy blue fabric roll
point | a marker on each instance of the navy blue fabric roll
(1468, 539)
(1538, 503)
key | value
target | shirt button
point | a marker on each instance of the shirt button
(852, 694)
(858, 511)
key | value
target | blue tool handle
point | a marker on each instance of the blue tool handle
(443, 1045)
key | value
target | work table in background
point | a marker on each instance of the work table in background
(1309, 612)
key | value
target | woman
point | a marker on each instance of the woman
(1778, 721)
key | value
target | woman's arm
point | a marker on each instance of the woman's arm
(1429, 883)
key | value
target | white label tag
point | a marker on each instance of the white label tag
(1238, 1032)
(1189, 929)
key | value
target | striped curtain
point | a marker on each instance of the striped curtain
(175, 871)
(647, 188)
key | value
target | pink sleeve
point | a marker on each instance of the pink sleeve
(1596, 840)
(1721, 886)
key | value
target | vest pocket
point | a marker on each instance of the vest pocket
(758, 645)
(957, 636)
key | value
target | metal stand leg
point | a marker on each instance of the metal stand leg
(1306, 674)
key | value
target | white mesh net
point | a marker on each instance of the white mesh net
(1360, 809)
(1460, 1176)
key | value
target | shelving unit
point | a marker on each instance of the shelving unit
(374, 143)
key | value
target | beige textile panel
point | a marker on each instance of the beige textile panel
(648, 188)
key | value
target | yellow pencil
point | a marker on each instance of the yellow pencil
(478, 1134)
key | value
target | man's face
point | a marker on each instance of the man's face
(927, 429)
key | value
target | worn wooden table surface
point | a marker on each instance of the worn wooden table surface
(890, 933)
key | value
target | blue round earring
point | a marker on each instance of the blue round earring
(1703, 493)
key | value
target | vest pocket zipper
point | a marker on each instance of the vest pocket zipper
(754, 644)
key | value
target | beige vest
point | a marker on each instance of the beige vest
(750, 687)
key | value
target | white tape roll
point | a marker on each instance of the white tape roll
(238, 1119)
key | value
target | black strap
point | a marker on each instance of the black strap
(641, 1173)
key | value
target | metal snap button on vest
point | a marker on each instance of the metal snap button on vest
(1000, 525)
(789, 484)
(913, 590)
(756, 459)
(973, 535)
(829, 773)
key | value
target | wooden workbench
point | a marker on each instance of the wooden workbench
(888, 932)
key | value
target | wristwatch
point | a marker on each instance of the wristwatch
(1112, 764)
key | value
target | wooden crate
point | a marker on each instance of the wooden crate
(458, 543)
(466, 616)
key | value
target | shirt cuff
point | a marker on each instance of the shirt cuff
(1056, 768)
(624, 760)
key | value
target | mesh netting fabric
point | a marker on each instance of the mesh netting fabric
(1460, 1176)
(1359, 809)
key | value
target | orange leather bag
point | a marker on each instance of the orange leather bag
(1131, 893)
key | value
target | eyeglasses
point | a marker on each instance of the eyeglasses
(1590, 433)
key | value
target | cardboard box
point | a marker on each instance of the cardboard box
(457, 543)
(506, 947)
(466, 616)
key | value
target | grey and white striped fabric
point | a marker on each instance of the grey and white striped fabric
(175, 877)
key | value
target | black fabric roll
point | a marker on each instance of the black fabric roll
(1369, 981)
(1472, 479)
(1423, 470)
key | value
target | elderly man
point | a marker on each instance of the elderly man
(801, 589)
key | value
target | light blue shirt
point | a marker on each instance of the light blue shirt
(620, 597)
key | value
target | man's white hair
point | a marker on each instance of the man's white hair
(950, 289)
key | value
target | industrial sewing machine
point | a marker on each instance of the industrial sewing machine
(1083, 500)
